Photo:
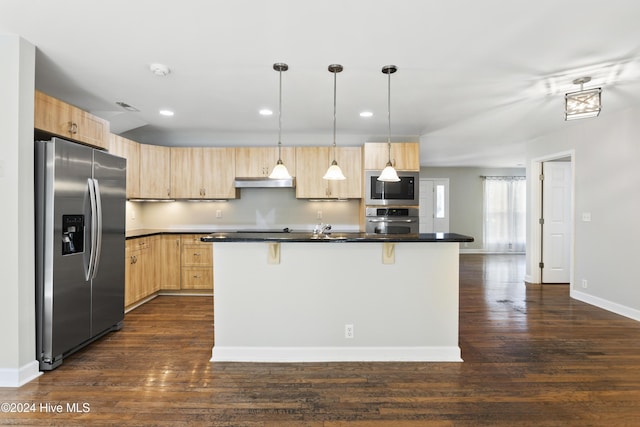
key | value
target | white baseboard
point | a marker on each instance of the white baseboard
(21, 376)
(335, 354)
(614, 307)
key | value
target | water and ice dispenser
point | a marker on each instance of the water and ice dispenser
(72, 234)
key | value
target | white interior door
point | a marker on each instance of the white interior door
(557, 222)
(426, 206)
(434, 205)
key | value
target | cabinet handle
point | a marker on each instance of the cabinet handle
(73, 128)
(196, 254)
(197, 277)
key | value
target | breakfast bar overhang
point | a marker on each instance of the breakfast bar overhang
(297, 297)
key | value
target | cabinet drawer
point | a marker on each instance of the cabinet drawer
(138, 243)
(197, 278)
(197, 255)
(193, 239)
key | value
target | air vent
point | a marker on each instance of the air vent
(127, 107)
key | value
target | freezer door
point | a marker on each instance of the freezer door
(107, 299)
(63, 294)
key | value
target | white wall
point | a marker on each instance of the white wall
(607, 185)
(17, 295)
(466, 198)
(264, 208)
(297, 309)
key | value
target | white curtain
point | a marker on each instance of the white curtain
(504, 214)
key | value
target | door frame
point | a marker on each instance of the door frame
(534, 211)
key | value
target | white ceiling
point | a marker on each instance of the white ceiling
(475, 81)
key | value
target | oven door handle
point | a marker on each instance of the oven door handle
(405, 221)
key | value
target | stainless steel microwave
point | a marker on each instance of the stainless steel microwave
(402, 193)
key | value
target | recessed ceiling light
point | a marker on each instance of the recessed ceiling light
(166, 112)
(265, 112)
(366, 114)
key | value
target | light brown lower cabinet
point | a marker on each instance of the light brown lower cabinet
(168, 262)
(139, 270)
(197, 263)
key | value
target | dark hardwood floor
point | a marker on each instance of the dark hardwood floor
(533, 357)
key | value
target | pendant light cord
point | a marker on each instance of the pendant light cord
(280, 117)
(334, 116)
(389, 116)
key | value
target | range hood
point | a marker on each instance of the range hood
(264, 182)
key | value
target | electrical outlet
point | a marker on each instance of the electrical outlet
(584, 284)
(348, 331)
(319, 215)
(219, 213)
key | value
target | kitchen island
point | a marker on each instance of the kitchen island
(299, 297)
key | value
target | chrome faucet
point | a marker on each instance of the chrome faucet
(321, 229)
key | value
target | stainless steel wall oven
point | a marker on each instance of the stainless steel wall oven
(392, 220)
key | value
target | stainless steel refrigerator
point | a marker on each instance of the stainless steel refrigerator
(80, 240)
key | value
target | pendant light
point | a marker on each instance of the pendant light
(334, 173)
(280, 170)
(389, 174)
(583, 103)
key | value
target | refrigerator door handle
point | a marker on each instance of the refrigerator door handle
(98, 234)
(92, 230)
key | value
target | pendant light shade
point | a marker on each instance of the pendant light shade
(334, 173)
(389, 174)
(280, 170)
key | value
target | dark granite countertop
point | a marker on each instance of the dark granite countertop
(132, 234)
(348, 237)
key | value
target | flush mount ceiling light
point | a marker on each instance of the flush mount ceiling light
(167, 113)
(265, 112)
(366, 114)
(334, 173)
(160, 70)
(389, 174)
(583, 103)
(280, 170)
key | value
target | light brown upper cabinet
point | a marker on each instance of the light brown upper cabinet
(405, 156)
(130, 150)
(155, 172)
(313, 162)
(258, 162)
(59, 118)
(203, 173)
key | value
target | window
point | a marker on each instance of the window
(505, 213)
(440, 206)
